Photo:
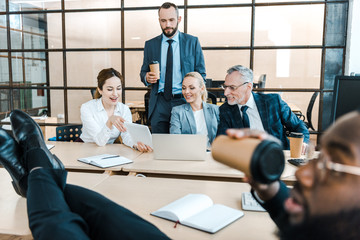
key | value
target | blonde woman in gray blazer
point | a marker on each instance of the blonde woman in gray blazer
(196, 116)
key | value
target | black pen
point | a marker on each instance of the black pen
(114, 156)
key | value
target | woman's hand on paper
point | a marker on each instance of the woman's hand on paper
(117, 122)
(143, 147)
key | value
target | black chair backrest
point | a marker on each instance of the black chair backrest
(92, 91)
(68, 133)
(146, 103)
(309, 110)
(212, 97)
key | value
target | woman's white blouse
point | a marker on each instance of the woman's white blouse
(94, 118)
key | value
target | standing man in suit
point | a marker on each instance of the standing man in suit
(178, 53)
(264, 112)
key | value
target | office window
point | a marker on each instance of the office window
(54, 31)
(299, 45)
(141, 26)
(132, 69)
(3, 44)
(2, 5)
(232, 24)
(216, 69)
(89, 4)
(289, 68)
(4, 70)
(83, 67)
(93, 30)
(56, 70)
(17, 5)
(289, 25)
(205, 2)
(147, 3)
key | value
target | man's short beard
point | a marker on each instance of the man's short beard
(172, 33)
(343, 225)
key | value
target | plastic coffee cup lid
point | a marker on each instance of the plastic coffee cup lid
(268, 162)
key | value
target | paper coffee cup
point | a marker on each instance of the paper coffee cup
(262, 160)
(155, 68)
(296, 142)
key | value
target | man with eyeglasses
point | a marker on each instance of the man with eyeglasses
(264, 112)
(325, 201)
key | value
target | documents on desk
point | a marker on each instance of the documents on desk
(105, 160)
(139, 133)
(198, 211)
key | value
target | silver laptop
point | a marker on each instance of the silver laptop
(179, 146)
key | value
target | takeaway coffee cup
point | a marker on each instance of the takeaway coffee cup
(154, 67)
(263, 160)
(296, 142)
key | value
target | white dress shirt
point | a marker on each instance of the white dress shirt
(94, 118)
(253, 113)
(200, 122)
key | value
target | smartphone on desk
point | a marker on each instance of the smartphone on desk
(298, 161)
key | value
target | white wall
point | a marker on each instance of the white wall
(352, 62)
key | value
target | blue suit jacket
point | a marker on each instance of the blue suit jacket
(191, 59)
(183, 121)
(275, 114)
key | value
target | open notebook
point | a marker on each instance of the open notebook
(105, 160)
(198, 211)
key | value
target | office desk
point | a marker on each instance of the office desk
(69, 152)
(13, 211)
(206, 170)
(145, 195)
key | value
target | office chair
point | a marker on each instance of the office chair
(68, 133)
(146, 103)
(261, 83)
(309, 111)
(92, 91)
(212, 98)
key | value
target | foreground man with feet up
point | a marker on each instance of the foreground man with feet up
(57, 210)
(324, 203)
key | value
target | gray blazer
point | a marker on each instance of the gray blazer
(183, 120)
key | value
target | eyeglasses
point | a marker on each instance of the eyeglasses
(232, 87)
(323, 164)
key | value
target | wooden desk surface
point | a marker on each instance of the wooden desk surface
(145, 163)
(145, 195)
(208, 169)
(13, 210)
(69, 152)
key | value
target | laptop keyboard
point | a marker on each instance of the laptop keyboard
(249, 203)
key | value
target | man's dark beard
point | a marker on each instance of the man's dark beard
(172, 33)
(343, 225)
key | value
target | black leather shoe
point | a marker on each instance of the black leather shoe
(10, 158)
(29, 136)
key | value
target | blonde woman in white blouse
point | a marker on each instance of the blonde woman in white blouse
(103, 117)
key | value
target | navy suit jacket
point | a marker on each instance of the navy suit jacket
(183, 121)
(275, 206)
(191, 60)
(276, 117)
